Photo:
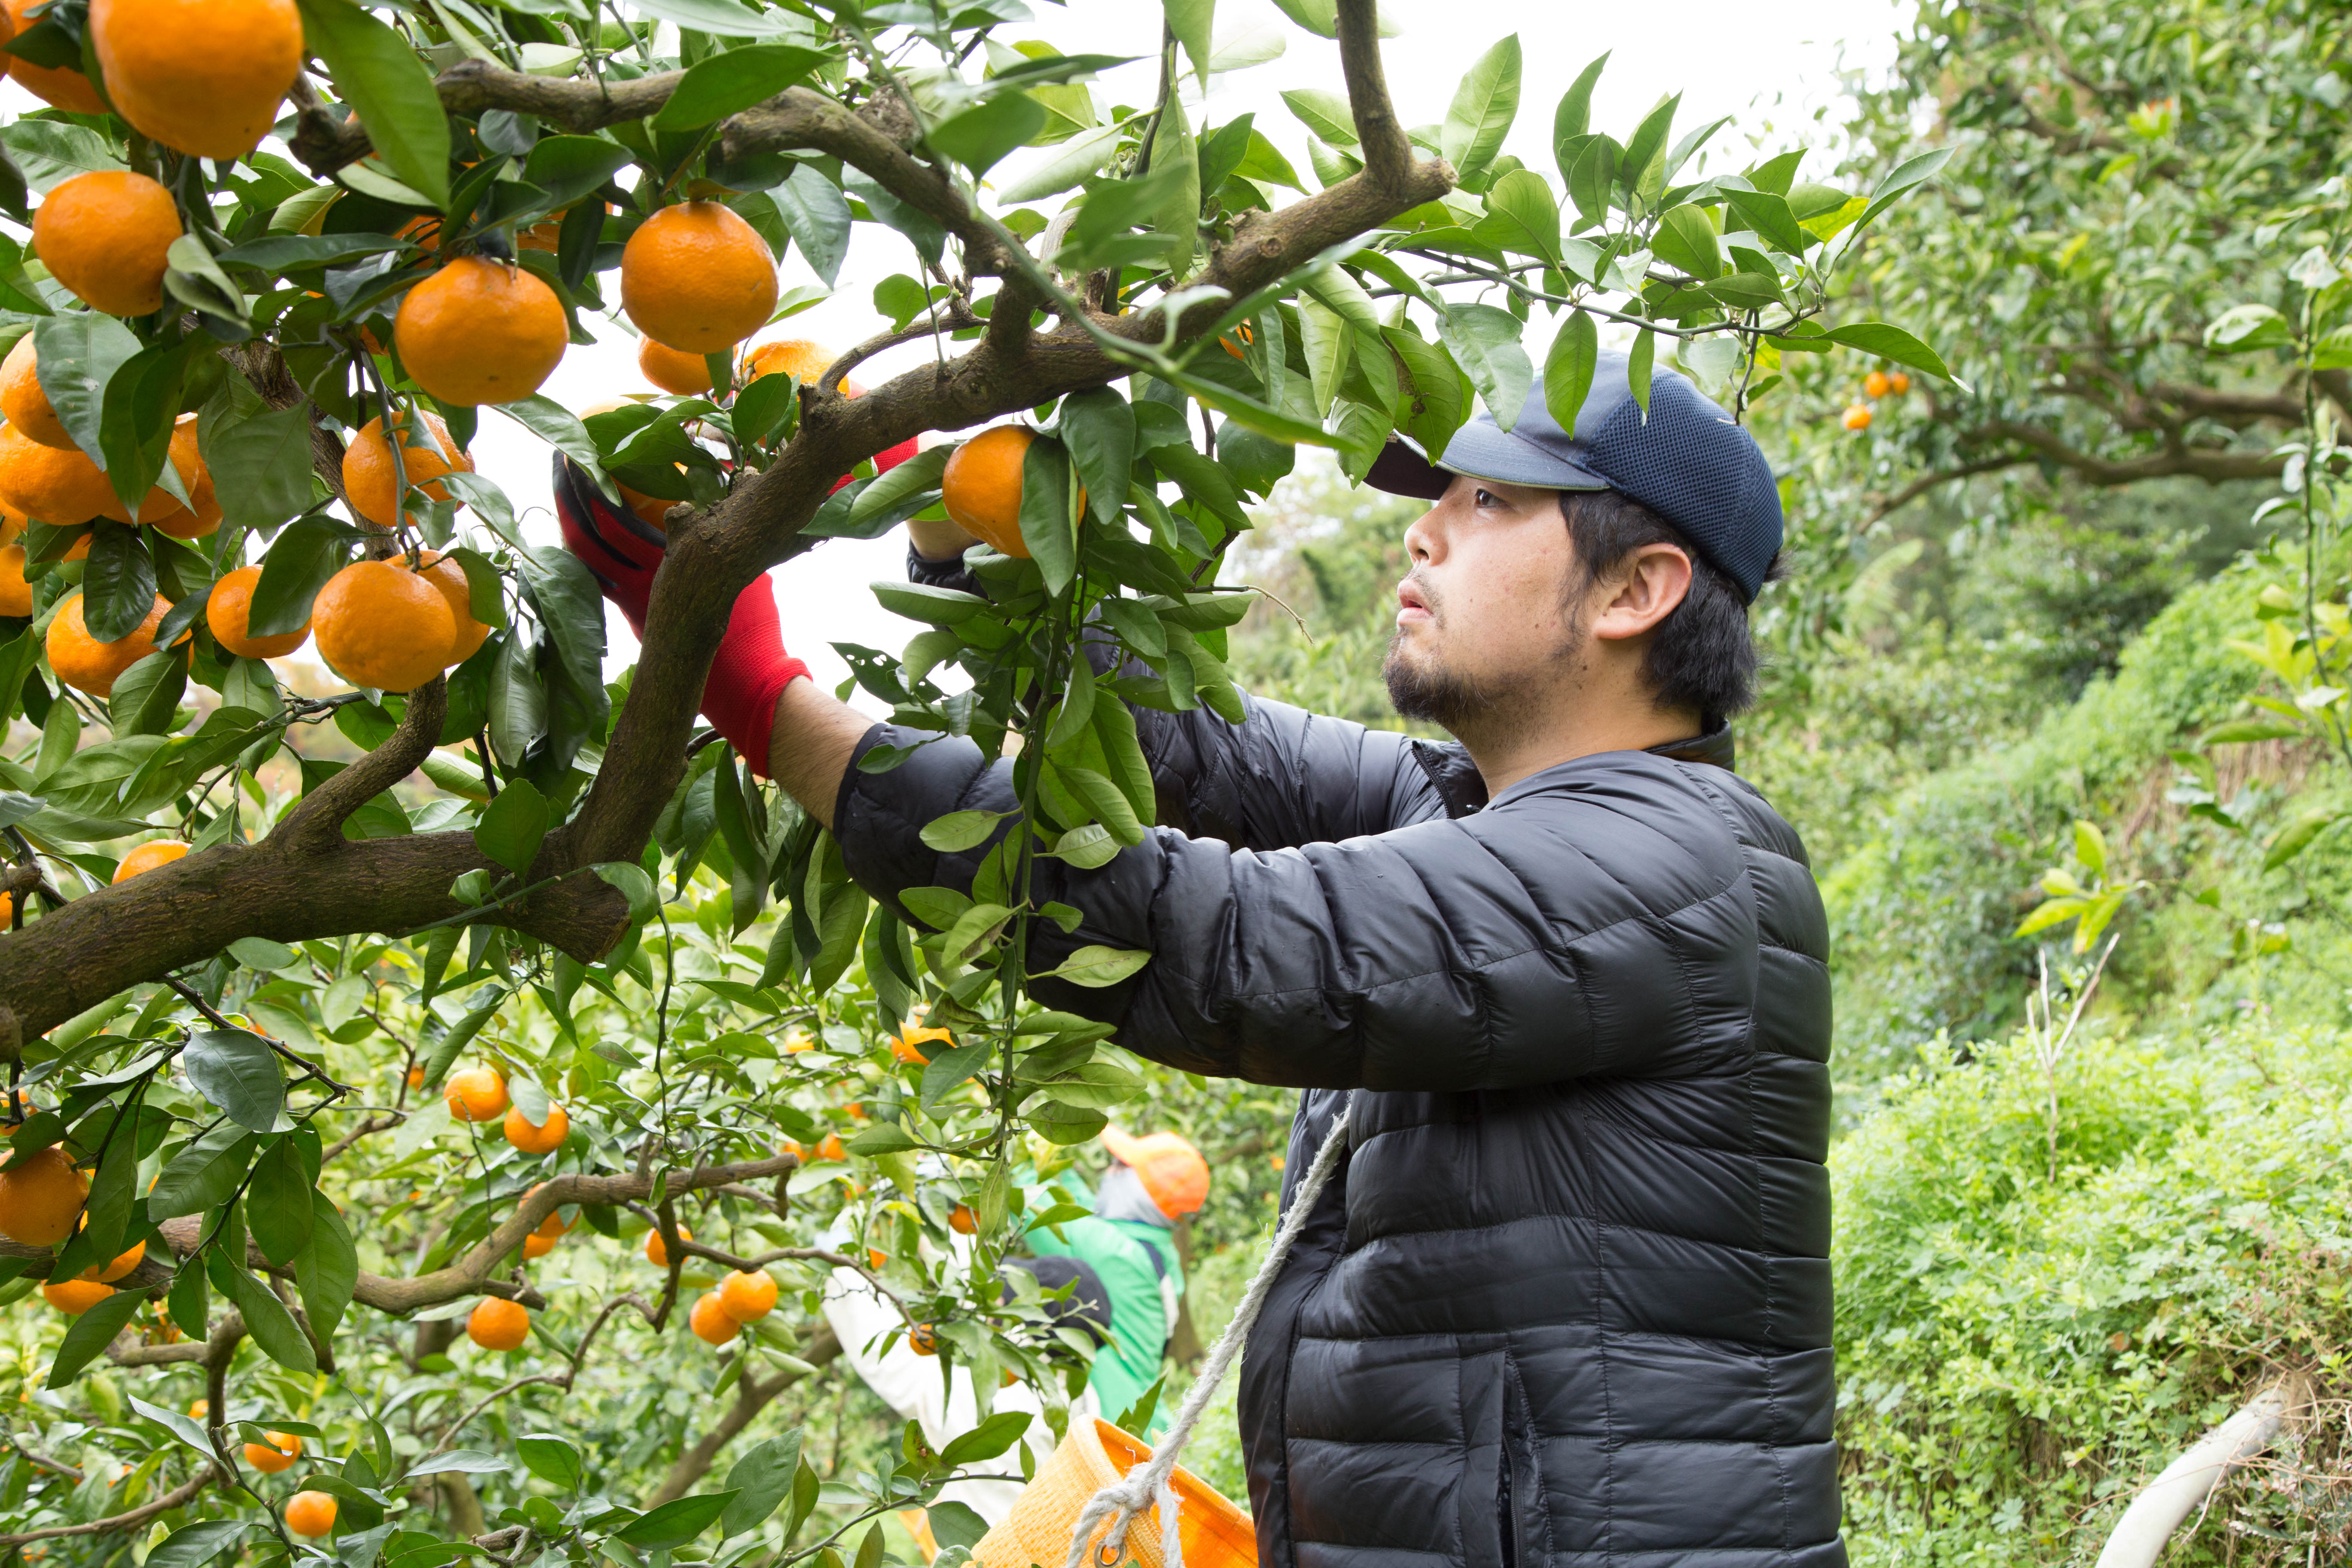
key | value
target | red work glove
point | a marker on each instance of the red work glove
(752, 668)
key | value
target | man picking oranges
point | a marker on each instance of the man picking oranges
(1566, 1298)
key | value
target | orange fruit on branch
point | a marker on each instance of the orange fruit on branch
(476, 1094)
(163, 509)
(61, 85)
(75, 1296)
(311, 1513)
(84, 663)
(15, 593)
(41, 1198)
(696, 278)
(672, 370)
(963, 1221)
(1898, 383)
(425, 455)
(748, 1297)
(57, 485)
(229, 610)
(275, 1452)
(923, 1338)
(1875, 385)
(147, 857)
(122, 1265)
(981, 487)
(24, 403)
(655, 1253)
(103, 234)
(709, 1322)
(498, 1325)
(380, 625)
(802, 359)
(479, 331)
(1856, 417)
(545, 1139)
(445, 573)
(539, 1245)
(204, 77)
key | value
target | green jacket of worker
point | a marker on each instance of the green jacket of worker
(1129, 1241)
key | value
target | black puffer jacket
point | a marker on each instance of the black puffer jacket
(1567, 1299)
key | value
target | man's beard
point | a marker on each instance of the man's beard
(1462, 705)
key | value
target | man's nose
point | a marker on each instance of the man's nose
(1421, 540)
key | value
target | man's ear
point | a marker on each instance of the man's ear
(1647, 586)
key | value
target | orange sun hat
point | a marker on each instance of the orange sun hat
(1172, 1170)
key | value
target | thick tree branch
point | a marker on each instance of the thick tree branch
(178, 1497)
(318, 820)
(751, 1397)
(1387, 154)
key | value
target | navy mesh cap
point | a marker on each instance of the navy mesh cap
(1688, 462)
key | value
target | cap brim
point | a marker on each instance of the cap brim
(1483, 451)
(1122, 1146)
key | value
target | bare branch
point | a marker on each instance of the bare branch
(320, 817)
(178, 1497)
(1387, 154)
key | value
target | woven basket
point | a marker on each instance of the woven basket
(1215, 1533)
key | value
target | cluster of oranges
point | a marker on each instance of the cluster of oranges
(1878, 383)
(479, 1094)
(741, 1298)
(307, 1513)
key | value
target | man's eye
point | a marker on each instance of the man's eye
(1486, 498)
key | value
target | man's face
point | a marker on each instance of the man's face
(1484, 619)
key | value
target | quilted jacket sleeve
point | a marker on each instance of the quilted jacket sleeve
(1534, 942)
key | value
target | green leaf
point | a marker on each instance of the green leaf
(194, 1545)
(1771, 218)
(1325, 113)
(201, 1175)
(328, 1271)
(277, 1202)
(513, 825)
(721, 16)
(1485, 342)
(1099, 966)
(1065, 1124)
(460, 1462)
(1190, 22)
(79, 353)
(916, 478)
(1913, 171)
(571, 607)
(1483, 109)
(962, 830)
(1890, 342)
(268, 1321)
(1521, 200)
(675, 1523)
(2237, 732)
(981, 136)
(1638, 362)
(260, 465)
(986, 1441)
(1075, 160)
(1045, 523)
(816, 215)
(118, 582)
(733, 80)
(1685, 240)
(1099, 428)
(91, 1333)
(1568, 368)
(2297, 836)
(380, 74)
(556, 1459)
(1648, 143)
(305, 552)
(1574, 116)
(1076, 706)
(555, 425)
(235, 1070)
(633, 883)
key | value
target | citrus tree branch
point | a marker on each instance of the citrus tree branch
(751, 1397)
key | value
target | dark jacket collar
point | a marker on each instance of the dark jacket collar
(1462, 789)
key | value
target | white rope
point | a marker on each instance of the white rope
(1141, 1487)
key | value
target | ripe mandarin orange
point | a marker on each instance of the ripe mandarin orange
(981, 487)
(147, 857)
(963, 1221)
(802, 359)
(425, 454)
(446, 575)
(56, 484)
(907, 1046)
(16, 593)
(123, 1264)
(667, 368)
(380, 625)
(1898, 383)
(544, 1139)
(75, 1296)
(7, 909)
(748, 1297)
(698, 278)
(41, 1198)
(655, 1253)
(24, 403)
(84, 663)
(498, 1325)
(1875, 385)
(479, 331)
(200, 1409)
(12, 524)
(536, 1245)
(710, 1320)
(923, 1339)
(831, 1148)
(311, 1513)
(276, 1452)
(229, 607)
(163, 509)
(61, 85)
(1856, 417)
(104, 235)
(205, 77)
(476, 1094)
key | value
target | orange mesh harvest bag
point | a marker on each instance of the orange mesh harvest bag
(1215, 1533)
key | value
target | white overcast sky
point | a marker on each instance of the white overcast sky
(1769, 65)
